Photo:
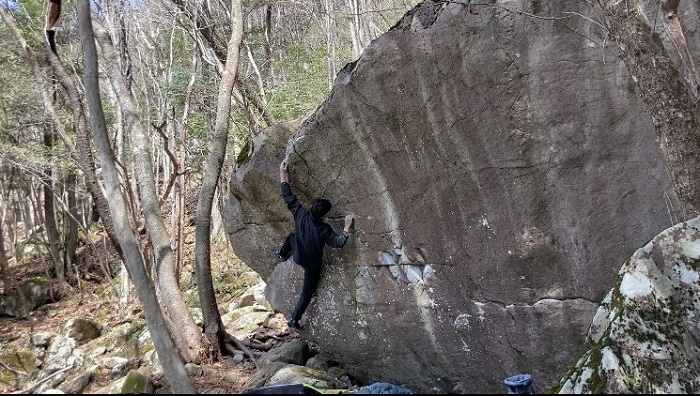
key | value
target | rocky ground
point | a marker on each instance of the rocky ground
(225, 376)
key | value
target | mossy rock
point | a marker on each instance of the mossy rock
(135, 382)
(26, 297)
(22, 361)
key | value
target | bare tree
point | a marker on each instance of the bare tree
(209, 42)
(53, 237)
(213, 326)
(172, 365)
(81, 151)
(71, 222)
(330, 30)
(7, 277)
(672, 23)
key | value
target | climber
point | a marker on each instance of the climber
(306, 243)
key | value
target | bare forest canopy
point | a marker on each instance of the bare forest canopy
(118, 118)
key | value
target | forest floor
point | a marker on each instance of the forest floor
(224, 376)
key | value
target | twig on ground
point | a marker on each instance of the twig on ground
(31, 388)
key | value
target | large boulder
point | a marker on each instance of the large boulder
(501, 167)
(645, 336)
(27, 296)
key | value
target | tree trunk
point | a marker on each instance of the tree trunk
(331, 67)
(82, 153)
(167, 354)
(83, 156)
(269, 49)
(212, 317)
(8, 280)
(181, 157)
(355, 28)
(71, 238)
(670, 105)
(675, 33)
(53, 237)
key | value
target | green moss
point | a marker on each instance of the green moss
(127, 342)
(232, 283)
(665, 318)
(617, 301)
(596, 383)
(244, 154)
(22, 361)
(135, 382)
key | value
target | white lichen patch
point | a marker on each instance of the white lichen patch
(601, 320)
(582, 381)
(673, 387)
(686, 274)
(635, 285)
(691, 250)
(465, 347)
(609, 360)
(484, 222)
(462, 321)
(480, 310)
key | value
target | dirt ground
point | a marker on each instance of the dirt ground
(50, 317)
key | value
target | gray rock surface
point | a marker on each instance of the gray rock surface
(82, 330)
(293, 352)
(501, 168)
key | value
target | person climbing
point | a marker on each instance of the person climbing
(306, 243)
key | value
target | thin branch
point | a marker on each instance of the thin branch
(15, 372)
(470, 4)
(176, 173)
(587, 18)
(31, 388)
(548, 18)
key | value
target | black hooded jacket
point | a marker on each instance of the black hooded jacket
(311, 234)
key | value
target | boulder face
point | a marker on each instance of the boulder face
(501, 168)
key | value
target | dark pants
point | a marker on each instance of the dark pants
(311, 279)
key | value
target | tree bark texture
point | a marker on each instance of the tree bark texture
(172, 364)
(673, 26)
(671, 106)
(51, 223)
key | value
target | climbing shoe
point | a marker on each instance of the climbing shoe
(275, 253)
(293, 324)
